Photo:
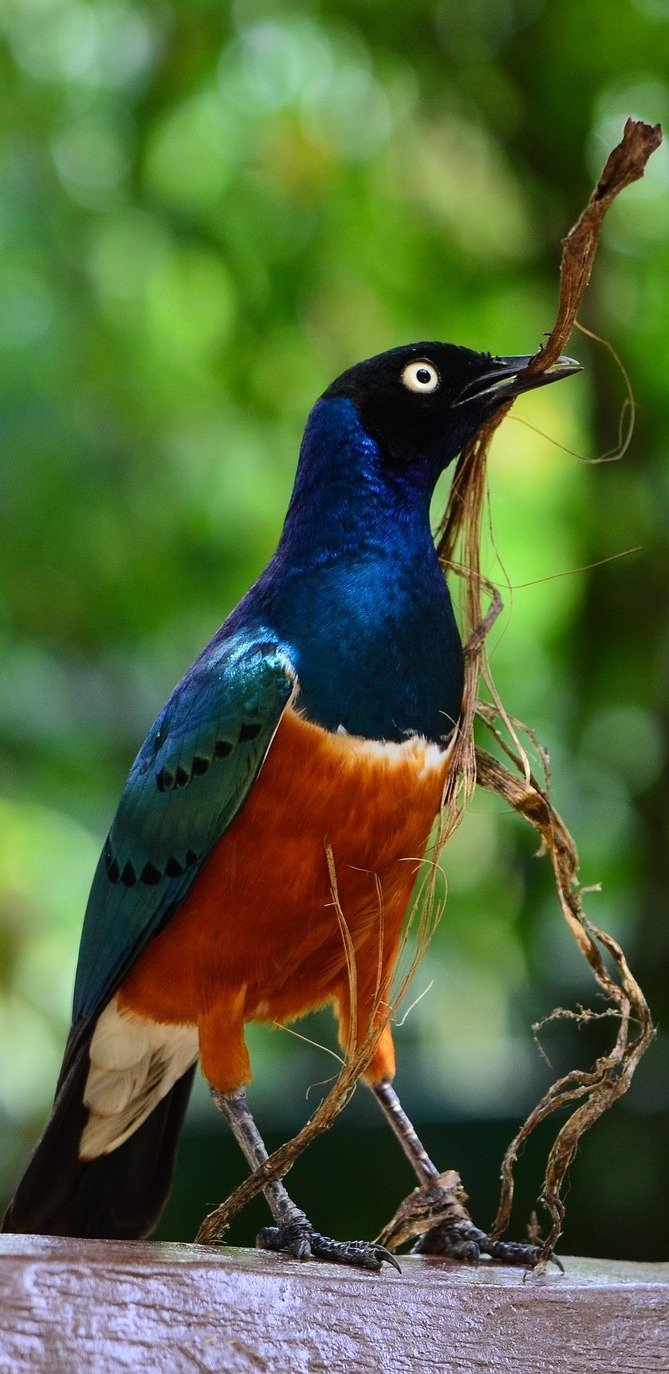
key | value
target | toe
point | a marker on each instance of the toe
(299, 1240)
(293, 1238)
(358, 1253)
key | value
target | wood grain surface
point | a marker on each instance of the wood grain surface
(98, 1306)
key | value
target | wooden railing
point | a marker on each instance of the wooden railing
(107, 1306)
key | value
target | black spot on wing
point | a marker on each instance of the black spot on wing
(150, 874)
(249, 731)
(167, 779)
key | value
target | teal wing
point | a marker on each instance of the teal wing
(186, 785)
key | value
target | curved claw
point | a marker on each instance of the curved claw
(297, 1238)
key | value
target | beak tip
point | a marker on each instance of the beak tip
(566, 365)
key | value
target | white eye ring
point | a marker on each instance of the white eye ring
(421, 376)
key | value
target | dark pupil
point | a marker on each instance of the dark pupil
(423, 375)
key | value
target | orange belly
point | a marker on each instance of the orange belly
(258, 937)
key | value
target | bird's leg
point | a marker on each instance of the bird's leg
(436, 1211)
(293, 1232)
(413, 1148)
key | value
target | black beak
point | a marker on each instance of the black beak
(507, 378)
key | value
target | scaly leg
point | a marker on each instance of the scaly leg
(293, 1233)
(455, 1235)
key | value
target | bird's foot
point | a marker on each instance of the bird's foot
(296, 1236)
(436, 1213)
(466, 1242)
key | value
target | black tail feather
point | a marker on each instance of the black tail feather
(118, 1196)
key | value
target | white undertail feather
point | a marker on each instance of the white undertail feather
(134, 1063)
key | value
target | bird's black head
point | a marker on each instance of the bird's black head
(423, 402)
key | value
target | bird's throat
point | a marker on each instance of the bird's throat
(345, 499)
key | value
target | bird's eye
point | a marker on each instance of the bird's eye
(421, 376)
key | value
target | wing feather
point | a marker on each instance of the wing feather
(186, 785)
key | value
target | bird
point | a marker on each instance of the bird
(316, 729)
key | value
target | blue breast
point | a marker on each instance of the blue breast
(355, 591)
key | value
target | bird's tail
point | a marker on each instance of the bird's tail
(117, 1195)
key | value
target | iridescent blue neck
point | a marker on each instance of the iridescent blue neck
(355, 591)
(345, 496)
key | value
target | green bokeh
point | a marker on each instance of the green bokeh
(206, 212)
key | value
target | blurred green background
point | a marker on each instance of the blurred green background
(207, 211)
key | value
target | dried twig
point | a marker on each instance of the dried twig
(440, 1202)
(611, 1075)
(461, 524)
(625, 164)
